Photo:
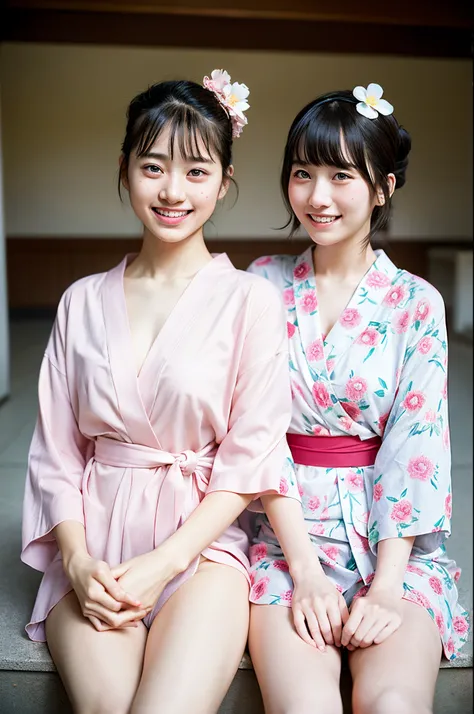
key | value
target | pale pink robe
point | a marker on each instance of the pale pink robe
(131, 457)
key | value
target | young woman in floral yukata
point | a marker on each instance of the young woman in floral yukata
(369, 435)
(157, 401)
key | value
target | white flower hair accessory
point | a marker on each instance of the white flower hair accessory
(231, 96)
(370, 103)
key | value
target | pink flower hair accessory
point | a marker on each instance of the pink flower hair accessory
(231, 96)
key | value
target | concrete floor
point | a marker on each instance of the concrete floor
(17, 590)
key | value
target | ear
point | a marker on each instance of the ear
(226, 183)
(123, 172)
(391, 181)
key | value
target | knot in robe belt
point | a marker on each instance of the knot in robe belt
(333, 451)
(172, 497)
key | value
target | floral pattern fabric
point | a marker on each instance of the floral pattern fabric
(380, 371)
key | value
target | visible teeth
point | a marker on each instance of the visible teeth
(171, 214)
(323, 219)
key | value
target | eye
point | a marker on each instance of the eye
(152, 169)
(301, 174)
(197, 173)
(341, 176)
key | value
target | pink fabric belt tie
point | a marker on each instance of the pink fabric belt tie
(184, 468)
(333, 451)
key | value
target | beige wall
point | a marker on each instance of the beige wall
(64, 116)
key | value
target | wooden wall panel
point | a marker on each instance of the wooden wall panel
(40, 269)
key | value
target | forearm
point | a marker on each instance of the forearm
(392, 560)
(71, 539)
(286, 518)
(216, 512)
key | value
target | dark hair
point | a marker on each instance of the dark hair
(190, 111)
(374, 147)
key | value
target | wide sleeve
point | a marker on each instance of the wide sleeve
(412, 474)
(253, 457)
(57, 456)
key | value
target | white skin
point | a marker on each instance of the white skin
(107, 659)
(394, 647)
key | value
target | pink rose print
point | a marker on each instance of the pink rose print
(457, 574)
(356, 388)
(361, 543)
(436, 585)
(289, 297)
(355, 482)
(301, 271)
(395, 295)
(370, 337)
(460, 625)
(314, 351)
(319, 430)
(401, 511)
(413, 401)
(439, 622)
(376, 279)
(339, 588)
(283, 486)
(369, 578)
(330, 365)
(448, 507)
(415, 570)
(324, 514)
(281, 565)
(422, 311)
(317, 529)
(425, 345)
(296, 388)
(430, 416)
(291, 329)
(308, 302)
(265, 260)
(418, 597)
(332, 551)
(449, 646)
(378, 491)
(314, 503)
(444, 392)
(321, 395)
(252, 577)
(287, 596)
(421, 467)
(258, 552)
(350, 318)
(362, 592)
(382, 422)
(402, 322)
(446, 438)
(300, 490)
(259, 589)
(352, 410)
(345, 423)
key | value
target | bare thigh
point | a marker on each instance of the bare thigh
(294, 677)
(195, 644)
(400, 674)
(100, 670)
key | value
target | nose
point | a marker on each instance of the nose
(321, 194)
(172, 190)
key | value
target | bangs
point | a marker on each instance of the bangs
(330, 137)
(189, 132)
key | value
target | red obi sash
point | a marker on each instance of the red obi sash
(333, 451)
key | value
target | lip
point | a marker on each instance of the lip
(170, 220)
(322, 226)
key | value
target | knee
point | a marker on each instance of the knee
(107, 703)
(391, 701)
(316, 706)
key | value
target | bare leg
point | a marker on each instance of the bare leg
(294, 677)
(400, 674)
(100, 670)
(195, 644)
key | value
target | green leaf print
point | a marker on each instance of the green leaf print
(380, 393)
(383, 383)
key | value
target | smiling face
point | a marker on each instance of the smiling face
(174, 195)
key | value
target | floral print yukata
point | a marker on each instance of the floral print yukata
(381, 371)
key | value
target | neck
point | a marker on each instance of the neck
(344, 261)
(171, 260)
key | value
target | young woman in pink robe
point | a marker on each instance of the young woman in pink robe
(367, 569)
(164, 400)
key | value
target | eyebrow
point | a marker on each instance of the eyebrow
(165, 157)
(347, 167)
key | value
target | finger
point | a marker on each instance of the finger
(104, 576)
(367, 624)
(114, 619)
(126, 616)
(386, 632)
(300, 627)
(315, 630)
(335, 621)
(351, 626)
(368, 638)
(324, 624)
(101, 597)
(343, 609)
(98, 624)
